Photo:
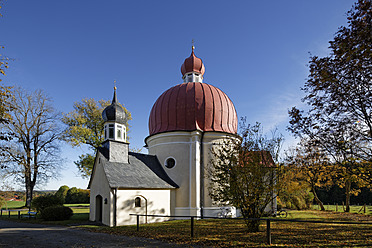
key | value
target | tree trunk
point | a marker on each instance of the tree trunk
(347, 192)
(29, 191)
(320, 203)
(252, 225)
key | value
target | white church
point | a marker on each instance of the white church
(184, 123)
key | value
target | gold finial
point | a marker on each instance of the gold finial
(193, 47)
(115, 85)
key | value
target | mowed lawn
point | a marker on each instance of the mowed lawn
(13, 204)
(339, 208)
(232, 232)
(81, 213)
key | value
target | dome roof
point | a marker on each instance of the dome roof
(192, 64)
(193, 106)
(114, 112)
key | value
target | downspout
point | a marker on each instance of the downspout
(201, 176)
(115, 205)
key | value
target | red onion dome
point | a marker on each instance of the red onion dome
(192, 64)
(193, 106)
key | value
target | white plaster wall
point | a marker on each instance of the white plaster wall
(184, 147)
(158, 203)
(179, 146)
(100, 186)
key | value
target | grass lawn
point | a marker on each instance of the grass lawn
(339, 208)
(77, 205)
(232, 232)
(14, 205)
(81, 214)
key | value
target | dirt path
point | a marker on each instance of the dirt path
(15, 234)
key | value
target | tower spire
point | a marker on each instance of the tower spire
(114, 99)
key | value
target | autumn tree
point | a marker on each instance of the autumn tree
(311, 166)
(5, 97)
(85, 127)
(32, 156)
(339, 96)
(295, 194)
(244, 172)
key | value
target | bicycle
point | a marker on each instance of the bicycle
(282, 213)
(225, 213)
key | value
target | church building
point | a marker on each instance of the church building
(184, 123)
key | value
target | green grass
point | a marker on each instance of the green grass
(81, 215)
(339, 208)
(14, 205)
(233, 233)
(306, 215)
(83, 205)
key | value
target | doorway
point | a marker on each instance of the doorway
(99, 205)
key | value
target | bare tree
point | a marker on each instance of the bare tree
(33, 155)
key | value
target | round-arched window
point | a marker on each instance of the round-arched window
(137, 202)
(170, 163)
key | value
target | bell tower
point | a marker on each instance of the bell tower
(115, 131)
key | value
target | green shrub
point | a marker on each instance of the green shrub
(56, 213)
(62, 192)
(75, 195)
(44, 201)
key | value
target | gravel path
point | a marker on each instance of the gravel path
(15, 234)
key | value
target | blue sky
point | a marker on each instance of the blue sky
(255, 51)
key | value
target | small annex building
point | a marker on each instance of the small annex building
(185, 122)
(122, 181)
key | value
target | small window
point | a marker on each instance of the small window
(111, 131)
(137, 202)
(119, 134)
(170, 163)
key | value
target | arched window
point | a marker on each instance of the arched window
(137, 202)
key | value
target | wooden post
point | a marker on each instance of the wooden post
(192, 226)
(1, 213)
(137, 222)
(19, 214)
(9, 213)
(268, 232)
(364, 208)
(336, 207)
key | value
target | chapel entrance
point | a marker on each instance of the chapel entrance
(99, 205)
